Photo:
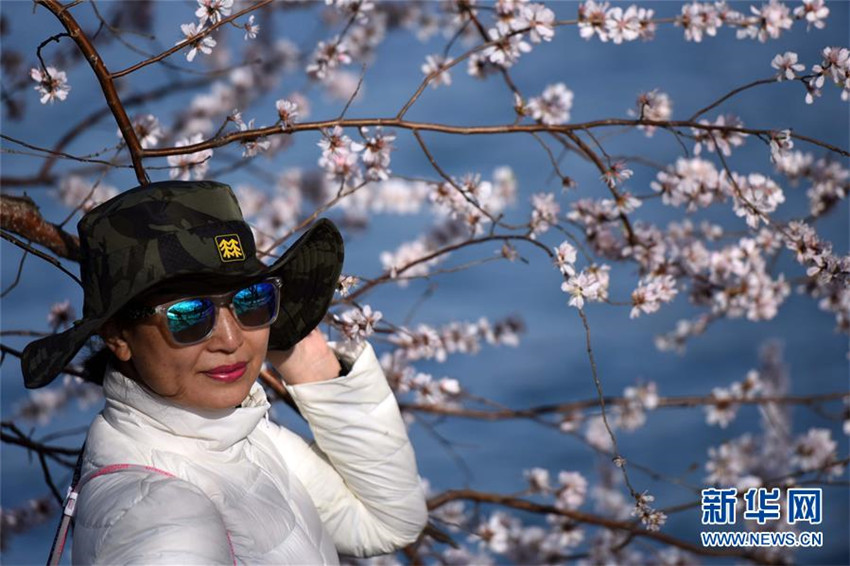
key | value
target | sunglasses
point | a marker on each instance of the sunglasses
(191, 320)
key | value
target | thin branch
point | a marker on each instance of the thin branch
(187, 42)
(462, 130)
(581, 517)
(722, 99)
(63, 14)
(17, 274)
(49, 259)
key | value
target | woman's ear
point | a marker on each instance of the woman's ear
(113, 337)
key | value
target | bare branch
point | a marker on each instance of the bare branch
(63, 14)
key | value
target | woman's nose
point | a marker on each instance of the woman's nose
(227, 334)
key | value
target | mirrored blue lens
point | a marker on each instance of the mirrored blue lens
(256, 305)
(190, 320)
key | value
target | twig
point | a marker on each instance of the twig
(50, 259)
(17, 274)
(187, 41)
(106, 83)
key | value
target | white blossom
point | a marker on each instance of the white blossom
(204, 45)
(723, 409)
(591, 20)
(622, 25)
(213, 11)
(251, 29)
(651, 292)
(506, 49)
(436, 64)
(653, 105)
(186, 166)
(61, 315)
(287, 111)
(571, 491)
(553, 106)
(787, 65)
(544, 214)
(814, 12)
(816, 450)
(541, 21)
(565, 258)
(358, 324)
(538, 480)
(76, 192)
(52, 84)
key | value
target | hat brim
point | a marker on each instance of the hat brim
(309, 270)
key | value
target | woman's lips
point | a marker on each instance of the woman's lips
(227, 373)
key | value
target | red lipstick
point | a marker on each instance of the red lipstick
(227, 374)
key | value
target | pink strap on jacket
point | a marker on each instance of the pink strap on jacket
(71, 504)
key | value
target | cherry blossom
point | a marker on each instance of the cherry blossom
(436, 64)
(814, 12)
(77, 192)
(699, 19)
(553, 106)
(327, 57)
(653, 105)
(213, 11)
(251, 29)
(592, 20)
(404, 256)
(61, 315)
(721, 139)
(359, 324)
(287, 111)
(538, 480)
(787, 65)
(148, 130)
(204, 44)
(622, 25)
(616, 174)
(755, 196)
(651, 292)
(731, 461)
(376, 153)
(186, 166)
(495, 533)
(694, 182)
(52, 84)
(544, 212)
(597, 435)
(816, 450)
(772, 18)
(541, 21)
(652, 519)
(506, 49)
(565, 258)
(571, 491)
(723, 410)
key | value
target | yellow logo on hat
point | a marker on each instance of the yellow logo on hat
(229, 247)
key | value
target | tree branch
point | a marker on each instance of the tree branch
(63, 14)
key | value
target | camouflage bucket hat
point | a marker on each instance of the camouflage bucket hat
(185, 229)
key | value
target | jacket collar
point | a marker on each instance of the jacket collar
(138, 412)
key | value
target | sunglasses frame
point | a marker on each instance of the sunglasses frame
(219, 299)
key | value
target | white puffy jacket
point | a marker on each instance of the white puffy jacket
(246, 490)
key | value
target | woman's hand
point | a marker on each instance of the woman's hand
(309, 360)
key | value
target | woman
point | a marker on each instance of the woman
(188, 315)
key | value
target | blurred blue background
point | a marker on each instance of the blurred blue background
(551, 363)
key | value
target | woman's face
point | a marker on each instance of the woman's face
(201, 376)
